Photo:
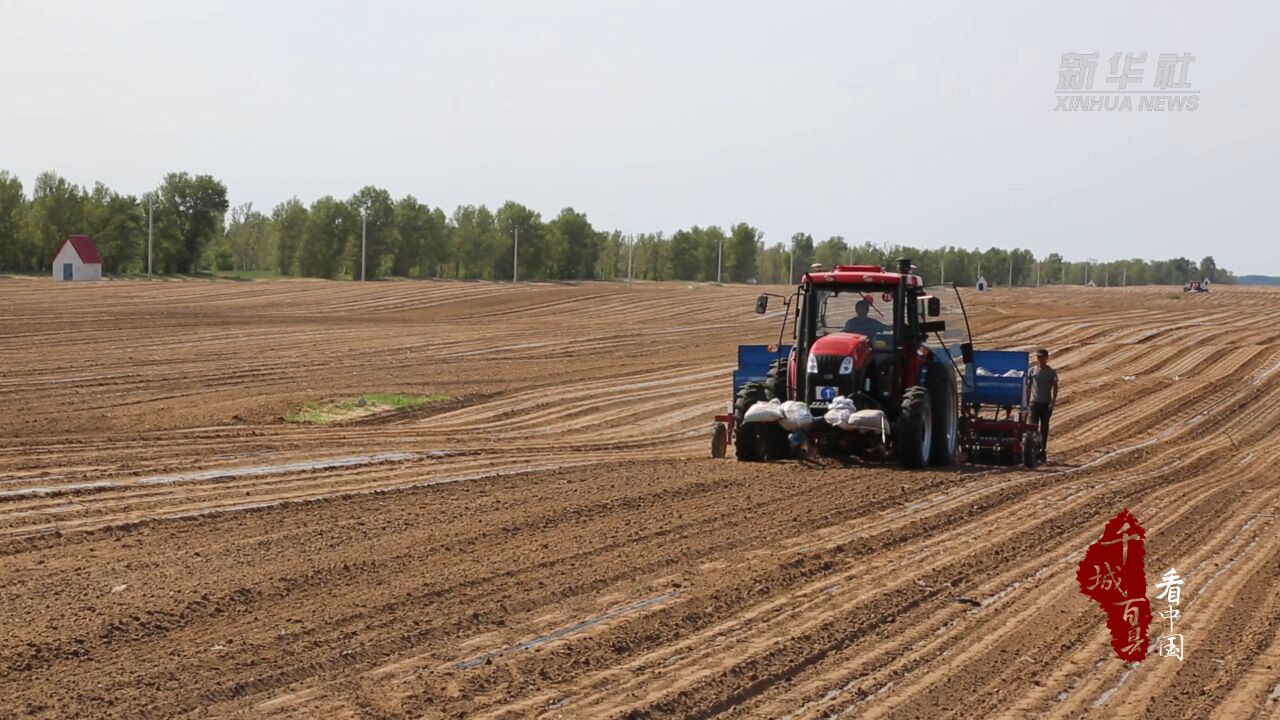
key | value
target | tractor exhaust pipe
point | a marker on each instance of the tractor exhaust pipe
(900, 308)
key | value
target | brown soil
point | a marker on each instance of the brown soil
(554, 542)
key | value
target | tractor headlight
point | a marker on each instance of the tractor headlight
(846, 366)
(812, 366)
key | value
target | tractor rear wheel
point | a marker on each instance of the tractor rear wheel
(913, 432)
(941, 382)
(779, 380)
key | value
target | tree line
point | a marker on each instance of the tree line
(195, 229)
(998, 266)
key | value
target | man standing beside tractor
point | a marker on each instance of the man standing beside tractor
(1042, 391)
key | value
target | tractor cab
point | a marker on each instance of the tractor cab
(858, 326)
(845, 329)
(860, 350)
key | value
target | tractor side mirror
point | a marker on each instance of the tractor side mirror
(935, 307)
(966, 352)
(762, 304)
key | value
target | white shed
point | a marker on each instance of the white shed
(77, 259)
(982, 283)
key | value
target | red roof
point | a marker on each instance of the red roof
(84, 248)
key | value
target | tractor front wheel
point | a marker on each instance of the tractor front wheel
(719, 439)
(913, 432)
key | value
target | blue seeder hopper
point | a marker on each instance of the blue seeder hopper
(995, 422)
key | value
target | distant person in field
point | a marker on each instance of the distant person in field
(1042, 393)
(861, 324)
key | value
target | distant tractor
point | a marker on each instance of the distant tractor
(860, 344)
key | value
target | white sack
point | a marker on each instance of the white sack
(839, 410)
(796, 416)
(858, 420)
(842, 403)
(770, 411)
(868, 421)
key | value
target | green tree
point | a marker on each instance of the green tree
(832, 252)
(802, 251)
(651, 257)
(612, 262)
(712, 241)
(1209, 269)
(437, 252)
(188, 215)
(686, 253)
(118, 228)
(250, 238)
(574, 245)
(1181, 270)
(774, 262)
(744, 244)
(413, 225)
(331, 226)
(290, 220)
(377, 212)
(513, 216)
(1051, 269)
(57, 210)
(14, 249)
(475, 237)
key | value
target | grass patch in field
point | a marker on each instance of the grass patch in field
(1174, 296)
(318, 413)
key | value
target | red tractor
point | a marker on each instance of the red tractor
(860, 344)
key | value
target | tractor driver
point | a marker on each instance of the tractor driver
(861, 324)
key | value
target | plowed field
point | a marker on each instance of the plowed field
(554, 541)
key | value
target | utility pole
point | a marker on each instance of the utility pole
(1124, 276)
(1037, 273)
(1106, 277)
(151, 202)
(364, 233)
(719, 260)
(942, 267)
(1011, 270)
(631, 246)
(515, 258)
(791, 268)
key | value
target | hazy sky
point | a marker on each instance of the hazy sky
(890, 122)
